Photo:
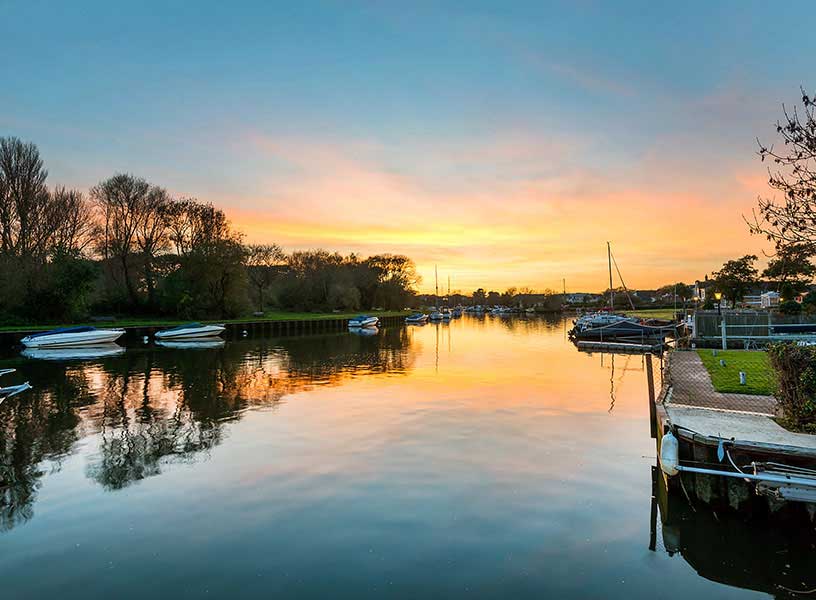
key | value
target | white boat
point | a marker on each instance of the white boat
(363, 321)
(446, 314)
(436, 316)
(81, 353)
(200, 344)
(12, 390)
(190, 331)
(71, 337)
(416, 318)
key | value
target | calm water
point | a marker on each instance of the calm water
(485, 458)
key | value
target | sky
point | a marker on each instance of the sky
(503, 142)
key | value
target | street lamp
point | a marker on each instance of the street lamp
(718, 297)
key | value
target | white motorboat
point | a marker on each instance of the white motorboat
(200, 344)
(436, 316)
(190, 331)
(363, 321)
(71, 337)
(81, 353)
(12, 390)
(416, 319)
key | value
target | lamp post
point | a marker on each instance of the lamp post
(718, 298)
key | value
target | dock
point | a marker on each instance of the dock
(619, 347)
(705, 422)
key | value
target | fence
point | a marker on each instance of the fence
(750, 329)
(733, 380)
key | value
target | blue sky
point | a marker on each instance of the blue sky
(505, 126)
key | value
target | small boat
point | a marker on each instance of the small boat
(82, 353)
(12, 390)
(363, 321)
(195, 344)
(190, 331)
(446, 314)
(70, 337)
(436, 316)
(456, 312)
(416, 319)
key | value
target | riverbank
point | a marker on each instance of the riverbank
(158, 322)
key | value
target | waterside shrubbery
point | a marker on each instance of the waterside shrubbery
(795, 369)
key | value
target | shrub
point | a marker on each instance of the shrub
(795, 368)
(790, 307)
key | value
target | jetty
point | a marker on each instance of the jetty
(736, 454)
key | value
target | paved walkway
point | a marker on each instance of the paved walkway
(691, 386)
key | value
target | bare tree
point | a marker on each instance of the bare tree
(75, 221)
(25, 223)
(121, 201)
(152, 236)
(261, 260)
(793, 219)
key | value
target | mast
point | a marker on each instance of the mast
(436, 283)
(611, 289)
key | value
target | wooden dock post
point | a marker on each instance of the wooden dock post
(652, 407)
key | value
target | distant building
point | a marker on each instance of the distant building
(769, 299)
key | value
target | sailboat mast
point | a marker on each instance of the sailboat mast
(611, 289)
(436, 283)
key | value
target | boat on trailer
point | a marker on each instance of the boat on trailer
(71, 337)
(361, 321)
(190, 331)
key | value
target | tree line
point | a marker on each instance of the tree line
(128, 247)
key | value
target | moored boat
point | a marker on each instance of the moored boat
(416, 319)
(12, 390)
(70, 337)
(435, 316)
(190, 331)
(363, 321)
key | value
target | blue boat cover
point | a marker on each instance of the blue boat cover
(185, 326)
(63, 330)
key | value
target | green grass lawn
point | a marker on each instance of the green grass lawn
(755, 364)
(651, 313)
(160, 322)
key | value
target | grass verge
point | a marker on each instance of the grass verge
(754, 363)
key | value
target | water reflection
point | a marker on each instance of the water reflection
(148, 407)
(488, 447)
(775, 557)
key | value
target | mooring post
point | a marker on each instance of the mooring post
(724, 339)
(652, 407)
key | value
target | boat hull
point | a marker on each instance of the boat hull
(363, 323)
(74, 340)
(193, 333)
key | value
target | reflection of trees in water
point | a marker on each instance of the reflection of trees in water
(151, 407)
(39, 429)
(531, 323)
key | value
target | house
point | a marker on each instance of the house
(769, 299)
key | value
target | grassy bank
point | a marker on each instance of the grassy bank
(754, 363)
(163, 322)
(652, 313)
